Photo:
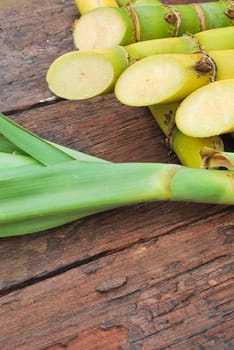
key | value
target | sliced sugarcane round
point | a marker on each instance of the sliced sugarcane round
(163, 78)
(83, 74)
(104, 27)
(208, 111)
(88, 5)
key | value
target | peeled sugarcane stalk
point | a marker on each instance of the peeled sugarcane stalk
(208, 111)
(35, 198)
(84, 74)
(213, 159)
(169, 78)
(85, 6)
(187, 148)
(110, 26)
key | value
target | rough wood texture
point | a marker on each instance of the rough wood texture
(152, 276)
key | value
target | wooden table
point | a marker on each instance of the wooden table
(151, 276)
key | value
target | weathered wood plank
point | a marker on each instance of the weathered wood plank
(152, 276)
(32, 35)
(168, 293)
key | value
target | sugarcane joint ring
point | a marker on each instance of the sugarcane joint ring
(204, 65)
(171, 18)
(230, 13)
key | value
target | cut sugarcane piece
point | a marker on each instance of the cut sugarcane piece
(88, 5)
(111, 26)
(77, 75)
(104, 27)
(169, 78)
(186, 148)
(163, 78)
(211, 14)
(208, 40)
(186, 44)
(164, 115)
(216, 39)
(224, 61)
(213, 159)
(208, 111)
(120, 59)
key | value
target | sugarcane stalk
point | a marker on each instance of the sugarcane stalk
(88, 5)
(187, 149)
(208, 111)
(213, 159)
(111, 26)
(38, 197)
(97, 70)
(169, 78)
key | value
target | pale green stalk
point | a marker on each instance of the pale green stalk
(35, 198)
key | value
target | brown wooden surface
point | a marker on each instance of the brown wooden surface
(151, 276)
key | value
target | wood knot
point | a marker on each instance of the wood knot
(111, 284)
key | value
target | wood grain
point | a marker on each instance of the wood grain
(152, 276)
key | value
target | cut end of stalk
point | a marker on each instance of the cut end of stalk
(80, 75)
(213, 159)
(208, 111)
(100, 28)
(160, 79)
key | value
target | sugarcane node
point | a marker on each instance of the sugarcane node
(214, 159)
(205, 64)
(135, 21)
(171, 18)
(230, 12)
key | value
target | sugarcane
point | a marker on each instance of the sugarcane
(110, 26)
(85, 74)
(38, 197)
(208, 111)
(88, 5)
(169, 78)
(213, 159)
(187, 149)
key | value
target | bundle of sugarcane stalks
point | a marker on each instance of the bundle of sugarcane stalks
(186, 80)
